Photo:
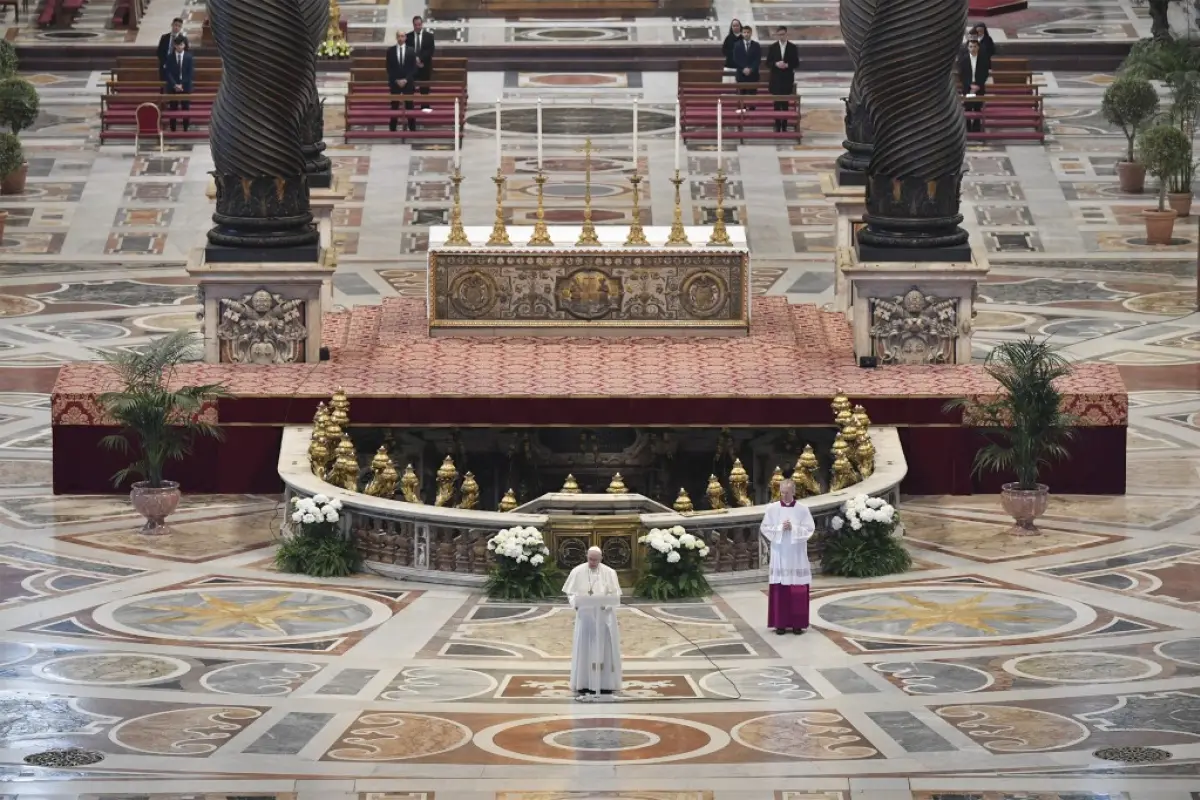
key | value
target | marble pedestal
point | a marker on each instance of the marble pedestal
(264, 313)
(907, 312)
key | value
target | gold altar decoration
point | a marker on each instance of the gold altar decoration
(383, 475)
(861, 419)
(637, 235)
(843, 418)
(720, 236)
(774, 484)
(541, 236)
(458, 236)
(333, 33)
(509, 501)
(339, 408)
(587, 234)
(499, 237)
(683, 503)
(850, 435)
(739, 484)
(470, 492)
(318, 453)
(321, 416)
(447, 474)
(617, 485)
(333, 436)
(805, 473)
(570, 486)
(715, 493)
(569, 536)
(678, 236)
(589, 289)
(410, 485)
(865, 457)
(344, 472)
(843, 474)
(840, 402)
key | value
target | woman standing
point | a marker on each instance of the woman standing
(731, 39)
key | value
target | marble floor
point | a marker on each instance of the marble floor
(995, 670)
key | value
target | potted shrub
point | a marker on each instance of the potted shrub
(1165, 150)
(317, 545)
(8, 59)
(861, 542)
(12, 164)
(159, 421)
(674, 566)
(1129, 103)
(522, 569)
(1179, 194)
(18, 110)
(1025, 426)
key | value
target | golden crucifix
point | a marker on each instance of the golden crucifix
(587, 236)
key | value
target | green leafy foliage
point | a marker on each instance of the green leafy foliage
(1026, 427)
(158, 422)
(1129, 103)
(1166, 151)
(12, 155)
(19, 104)
(663, 580)
(8, 59)
(317, 550)
(866, 553)
(510, 580)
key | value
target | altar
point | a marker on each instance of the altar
(595, 289)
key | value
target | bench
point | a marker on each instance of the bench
(743, 117)
(380, 62)
(59, 13)
(128, 13)
(1007, 117)
(368, 115)
(151, 62)
(379, 75)
(118, 114)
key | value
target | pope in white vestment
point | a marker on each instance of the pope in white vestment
(596, 653)
(787, 526)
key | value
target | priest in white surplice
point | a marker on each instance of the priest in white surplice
(788, 525)
(596, 654)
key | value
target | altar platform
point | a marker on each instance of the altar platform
(784, 373)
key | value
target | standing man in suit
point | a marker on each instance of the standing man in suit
(784, 60)
(747, 57)
(166, 44)
(178, 73)
(422, 43)
(972, 76)
(402, 72)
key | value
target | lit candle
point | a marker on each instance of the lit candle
(539, 109)
(498, 160)
(457, 134)
(719, 129)
(677, 136)
(635, 131)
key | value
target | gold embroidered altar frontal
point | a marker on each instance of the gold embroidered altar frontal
(602, 288)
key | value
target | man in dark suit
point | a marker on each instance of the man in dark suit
(747, 57)
(402, 72)
(423, 43)
(166, 45)
(972, 78)
(177, 76)
(784, 60)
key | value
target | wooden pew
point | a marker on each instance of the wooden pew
(118, 114)
(743, 117)
(379, 75)
(151, 62)
(380, 62)
(368, 114)
(1007, 117)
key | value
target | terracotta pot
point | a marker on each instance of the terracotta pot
(3, 219)
(1181, 202)
(1132, 177)
(14, 182)
(1024, 506)
(1159, 226)
(155, 504)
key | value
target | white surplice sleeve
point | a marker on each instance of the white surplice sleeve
(808, 525)
(569, 588)
(614, 585)
(771, 529)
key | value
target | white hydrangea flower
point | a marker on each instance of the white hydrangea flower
(308, 519)
(537, 560)
(673, 556)
(836, 523)
(704, 552)
(331, 515)
(298, 516)
(686, 539)
(855, 524)
(320, 499)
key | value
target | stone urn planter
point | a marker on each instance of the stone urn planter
(1180, 203)
(1159, 225)
(1024, 506)
(155, 504)
(14, 182)
(1131, 176)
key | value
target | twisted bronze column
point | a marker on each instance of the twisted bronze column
(905, 72)
(854, 17)
(262, 193)
(312, 135)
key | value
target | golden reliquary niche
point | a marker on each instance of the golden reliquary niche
(691, 470)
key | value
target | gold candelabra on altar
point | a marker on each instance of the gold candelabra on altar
(587, 235)
(541, 236)
(678, 235)
(499, 237)
(720, 236)
(637, 236)
(333, 33)
(458, 236)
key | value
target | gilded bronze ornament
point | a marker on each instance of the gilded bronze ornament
(509, 501)
(637, 235)
(739, 484)
(617, 485)
(861, 419)
(840, 403)
(720, 236)
(587, 234)
(469, 492)
(447, 474)
(683, 503)
(383, 476)
(541, 235)
(715, 493)
(457, 236)
(499, 237)
(774, 484)
(865, 457)
(678, 235)
(570, 486)
(805, 473)
(410, 485)
(843, 474)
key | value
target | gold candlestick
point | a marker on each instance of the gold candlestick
(720, 236)
(499, 237)
(587, 235)
(636, 236)
(541, 236)
(457, 237)
(678, 237)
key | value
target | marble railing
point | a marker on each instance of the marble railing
(448, 545)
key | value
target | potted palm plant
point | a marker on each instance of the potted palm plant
(1025, 425)
(18, 110)
(1129, 103)
(1165, 150)
(159, 421)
